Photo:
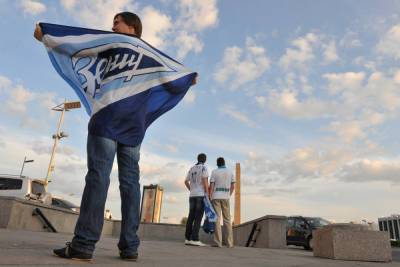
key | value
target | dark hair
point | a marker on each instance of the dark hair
(133, 20)
(220, 162)
(201, 158)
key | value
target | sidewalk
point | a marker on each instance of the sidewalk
(22, 248)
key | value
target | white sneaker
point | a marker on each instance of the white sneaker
(187, 242)
(197, 243)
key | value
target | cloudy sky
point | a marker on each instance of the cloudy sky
(304, 94)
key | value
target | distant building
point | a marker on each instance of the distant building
(390, 224)
(150, 210)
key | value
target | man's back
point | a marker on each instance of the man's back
(195, 176)
(222, 179)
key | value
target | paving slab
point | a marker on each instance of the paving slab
(23, 248)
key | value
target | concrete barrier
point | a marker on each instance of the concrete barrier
(271, 234)
(352, 242)
(16, 213)
(163, 231)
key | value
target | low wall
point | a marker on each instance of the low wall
(271, 234)
(16, 213)
(163, 231)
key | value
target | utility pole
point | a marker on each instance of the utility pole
(66, 106)
(23, 164)
(236, 219)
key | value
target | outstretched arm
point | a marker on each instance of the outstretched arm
(195, 79)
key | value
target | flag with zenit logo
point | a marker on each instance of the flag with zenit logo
(123, 82)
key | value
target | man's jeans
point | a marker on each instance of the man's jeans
(196, 210)
(100, 157)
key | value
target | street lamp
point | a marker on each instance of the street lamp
(23, 164)
(66, 106)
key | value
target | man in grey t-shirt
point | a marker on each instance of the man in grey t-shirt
(197, 183)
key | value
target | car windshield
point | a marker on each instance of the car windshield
(317, 222)
(64, 203)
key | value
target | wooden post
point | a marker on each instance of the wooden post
(236, 220)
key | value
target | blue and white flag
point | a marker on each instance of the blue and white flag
(209, 210)
(123, 82)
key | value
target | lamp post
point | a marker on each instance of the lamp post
(23, 164)
(66, 106)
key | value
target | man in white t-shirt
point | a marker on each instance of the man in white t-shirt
(222, 185)
(197, 183)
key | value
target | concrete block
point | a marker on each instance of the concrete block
(272, 232)
(352, 242)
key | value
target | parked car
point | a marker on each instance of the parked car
(299, 230)
(65, 204)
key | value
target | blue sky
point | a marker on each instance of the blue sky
(304, 94)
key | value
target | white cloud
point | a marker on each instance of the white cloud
(5, 83)
(96, 13)
(287, 103)
(356, 103)
(381, 93)
(190, 97)
(348, 130)
(159, 29)
(330, 53)
(240, 66)
(350, 40)
(156, 26)
(305, 86)
(19, 97)
(48, 99)
(261, 101)
(32, 7)
(396, 77)
(301, 54)
(338, 82)
(232, 112)
(368, 64)
(197, 15)
(186, 42)
(69, 4)
(171, 148)
(319, 161)
(390, 43)
(367, 170)
(19, 100)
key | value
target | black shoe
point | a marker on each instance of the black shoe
(128, 256)
(69, 253)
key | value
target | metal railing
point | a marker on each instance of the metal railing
(46, 223)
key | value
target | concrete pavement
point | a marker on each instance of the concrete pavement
(23, 248)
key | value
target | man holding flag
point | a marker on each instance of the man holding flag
(125, 84)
